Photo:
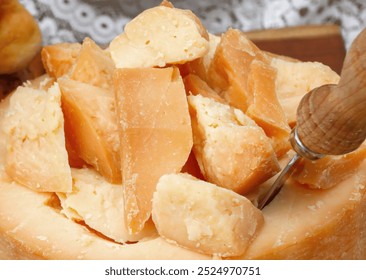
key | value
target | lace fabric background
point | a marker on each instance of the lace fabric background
(102, 20)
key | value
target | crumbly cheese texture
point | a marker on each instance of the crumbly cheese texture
(232, 151)
(36, 156)
(160, 36)
(204, 217)
(100, 205)
(295, 79)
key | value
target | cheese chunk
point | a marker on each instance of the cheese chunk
(93, 66)
(232, 151)
(59, 58)
(36, 156)
(330, 170)
(91, 126)
(155, 133)
(100, 205)
(160, 36)
(244, 76)
(295, 79)
(204, 217)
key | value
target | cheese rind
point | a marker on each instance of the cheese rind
(204, 217)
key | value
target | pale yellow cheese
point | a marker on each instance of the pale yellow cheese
(34, 126)
(30, 228)
(100, 205)
(160, 36)
(294, 79)
(204, 217)
(232, 151)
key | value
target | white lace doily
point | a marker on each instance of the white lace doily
(102, 20)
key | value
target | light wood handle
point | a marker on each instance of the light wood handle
(332, 118)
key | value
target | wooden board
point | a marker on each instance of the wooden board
(323, 43)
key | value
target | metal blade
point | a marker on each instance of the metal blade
(278, 184)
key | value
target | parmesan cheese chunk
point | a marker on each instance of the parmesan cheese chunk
(204, 217)
(295, 79)
(36, 155)
(160, 36)
(232, 151)
(91, 126)
(100, 205)
(155, 133)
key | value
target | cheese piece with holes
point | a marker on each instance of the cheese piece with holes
(91, 126)
(155, 133)
(159, 36)
(204, 217)
(34, 126)
(100, 205)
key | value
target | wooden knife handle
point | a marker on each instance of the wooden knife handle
(332, 118)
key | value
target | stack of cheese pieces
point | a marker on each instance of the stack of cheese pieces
(161, 145)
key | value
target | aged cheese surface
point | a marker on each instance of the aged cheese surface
(91, 126)
(232, 151)
(34, 126)
(303, 223)
(160, 36)
(244, 76)
(100, 205)
(155, 133)
(32, 229)
(204, 217)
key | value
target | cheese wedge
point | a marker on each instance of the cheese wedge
(295, 79)
(100, 205)
(91, 127)
(232, 151)
(155, 133)
(34, 126)
(59, 58)
(204, 217)
(159, 36)
(93, 66)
